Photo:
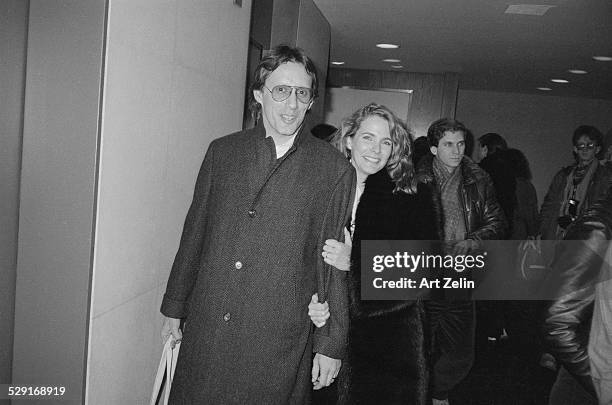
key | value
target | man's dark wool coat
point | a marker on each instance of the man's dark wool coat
(248, 263)
(386, 362)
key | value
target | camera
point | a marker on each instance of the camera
(572, 209)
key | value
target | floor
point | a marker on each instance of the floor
(501, 375)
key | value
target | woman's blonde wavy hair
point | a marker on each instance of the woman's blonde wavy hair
(399, 166)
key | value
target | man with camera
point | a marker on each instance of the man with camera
(575, 188)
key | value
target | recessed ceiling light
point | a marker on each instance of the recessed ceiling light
(396, 66)
(603, 58)
(528, 9)
(337, 63)
(391, 60)
(559, 81)
(544, 88)
(578, 71)
(387, 46)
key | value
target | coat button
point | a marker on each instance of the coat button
(227, 317)
(238, 265)
(252, 213)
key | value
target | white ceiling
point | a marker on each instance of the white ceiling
(491, 50)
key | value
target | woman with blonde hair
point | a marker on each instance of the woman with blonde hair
(386, 356)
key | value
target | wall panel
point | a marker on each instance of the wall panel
(57, 197)
(313, 36)
(433, 97)
(175, 80)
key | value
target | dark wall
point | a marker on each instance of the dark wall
(296, 23)
(13, 40)
(261, 22)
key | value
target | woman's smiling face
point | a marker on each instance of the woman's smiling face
(370, 147)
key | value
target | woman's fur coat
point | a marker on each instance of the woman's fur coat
(387, 359)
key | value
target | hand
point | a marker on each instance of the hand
(172, 327)
(534, 243)
(324, 371)
(464, 247)
(337, 254)
(319, 313)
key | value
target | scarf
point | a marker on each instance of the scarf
(577, 185)
(449, 185)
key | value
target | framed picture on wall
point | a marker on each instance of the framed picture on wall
(342, 101)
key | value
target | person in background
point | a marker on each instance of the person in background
(492, 150)
(386, 361)
(467, 211)
(520, 316)
(248, 260)
(420, 150)
(605, 156)
(574, 188)
(490, 143)
(324, 131)
(577, 326)
(572, 191)
(525, 219)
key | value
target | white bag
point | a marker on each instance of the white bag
(531, 263)
(167, 365)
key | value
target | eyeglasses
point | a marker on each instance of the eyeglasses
(282, 93)
(583, 146)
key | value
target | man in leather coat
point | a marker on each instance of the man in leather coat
(467, 212)
(576, 324)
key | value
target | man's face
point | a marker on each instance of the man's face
(284, 118)
(585, 149)
(450, 149)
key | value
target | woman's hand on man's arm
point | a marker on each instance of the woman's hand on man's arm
(337, 254)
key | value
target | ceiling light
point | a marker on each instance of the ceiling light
(337, 63)
(603, 58)
(391, 60)
(559, 81)
(527, 9)
(387, 46)
(578, 71)
(544, 88)
(396, 66)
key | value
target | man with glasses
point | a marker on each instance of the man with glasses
(575, 188)
(249, 260)
(573, 191)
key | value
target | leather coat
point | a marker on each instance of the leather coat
(575, 272)
(554, 197)
(450, 313)
(484, 218)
